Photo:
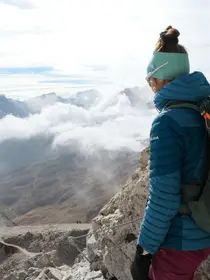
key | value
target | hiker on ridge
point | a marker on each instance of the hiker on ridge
(169, 232)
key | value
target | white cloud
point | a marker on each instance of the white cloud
(109, 122)
(116, 35)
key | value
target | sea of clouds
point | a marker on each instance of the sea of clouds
(95, 121)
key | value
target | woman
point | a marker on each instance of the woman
(176, 243)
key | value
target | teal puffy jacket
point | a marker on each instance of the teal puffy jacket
(176, 156)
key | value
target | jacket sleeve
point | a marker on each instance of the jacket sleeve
(166, 150)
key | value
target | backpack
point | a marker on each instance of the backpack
(196, 197)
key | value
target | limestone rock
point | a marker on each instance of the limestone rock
(34, 271)
(46, 259)
(53, 273)
(82, 271)
(41, 276)
(11, 276)
(21, 275)
(114, 246)
(203, 272)
(46, 255)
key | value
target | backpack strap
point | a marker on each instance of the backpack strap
(206, 162)
(195, 190)
(184, 104)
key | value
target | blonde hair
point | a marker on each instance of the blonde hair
(169, 42)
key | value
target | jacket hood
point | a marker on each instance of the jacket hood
(192, 87)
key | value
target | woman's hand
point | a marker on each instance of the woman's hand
(141, 264)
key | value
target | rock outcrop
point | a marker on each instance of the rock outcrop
(112, 250)
(35, 255)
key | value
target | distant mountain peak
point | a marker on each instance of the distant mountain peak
(48, 94)
(3, 97)
(13, 107)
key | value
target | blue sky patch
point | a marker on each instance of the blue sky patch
(66, 81)
(25, 70)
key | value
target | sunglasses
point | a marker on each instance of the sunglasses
(150, 74)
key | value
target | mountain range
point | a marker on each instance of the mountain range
(84, 99)
(42, 184)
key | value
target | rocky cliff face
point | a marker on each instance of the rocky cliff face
(113, 250)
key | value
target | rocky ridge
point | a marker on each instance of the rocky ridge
(115, 250)
(42, 255)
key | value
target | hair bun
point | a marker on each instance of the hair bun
(170, 36)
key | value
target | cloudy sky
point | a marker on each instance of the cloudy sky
(67, 45)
